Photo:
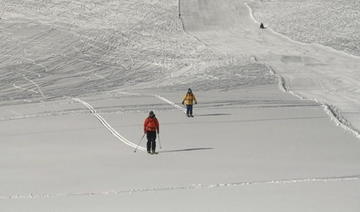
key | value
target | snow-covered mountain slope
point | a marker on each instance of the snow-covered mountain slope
(331, 23)
(52, 49)
(310, 71)
(89, 72)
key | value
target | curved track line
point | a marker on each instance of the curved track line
(108, 126)
(186, 187)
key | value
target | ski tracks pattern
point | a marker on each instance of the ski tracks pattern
(108, 126)
(186, 187)
(112, 130)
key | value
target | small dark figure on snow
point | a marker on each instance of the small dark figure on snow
(188, 100)
(151, 127)
(262, 26)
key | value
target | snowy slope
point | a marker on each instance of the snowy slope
(310, 71)
(65, 48)
(78, 78)
(244, 146)
(331, 23)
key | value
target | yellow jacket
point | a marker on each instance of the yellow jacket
(189, 99)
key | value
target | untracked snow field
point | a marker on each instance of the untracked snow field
(274, 128)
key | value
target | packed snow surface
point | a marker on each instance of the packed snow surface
(77, 79)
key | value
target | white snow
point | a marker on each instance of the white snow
(331, 23)
(78, 78)
(108, 126)
(310, 71)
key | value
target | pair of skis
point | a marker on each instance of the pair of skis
(142, 138)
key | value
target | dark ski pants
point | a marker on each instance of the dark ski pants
(189, 109)
(151, 144)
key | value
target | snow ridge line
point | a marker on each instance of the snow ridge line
(108, 126)
(281, 80)
(330, 110)
(186, 187)
(282, 83)
(299, 42)
(336, 116)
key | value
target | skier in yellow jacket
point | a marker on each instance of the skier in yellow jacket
(188, 100)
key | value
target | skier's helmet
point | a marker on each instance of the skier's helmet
(151, 114)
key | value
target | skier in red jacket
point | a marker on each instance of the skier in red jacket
(151, 127)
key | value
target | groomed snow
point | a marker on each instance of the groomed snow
(245, 144)
(78, 78)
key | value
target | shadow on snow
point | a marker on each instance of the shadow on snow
(215, 114)
(186, 150)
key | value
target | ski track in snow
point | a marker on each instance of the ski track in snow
(76, 111)
(187, 187)
(170, 103)
(329, 109)
(36, 85)
(108, 126)
(23, 89)
(29, 80)
(158, 97)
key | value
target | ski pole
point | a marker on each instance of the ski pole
(142, 138)
(159, 141)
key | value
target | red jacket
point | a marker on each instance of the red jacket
(151, 124)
